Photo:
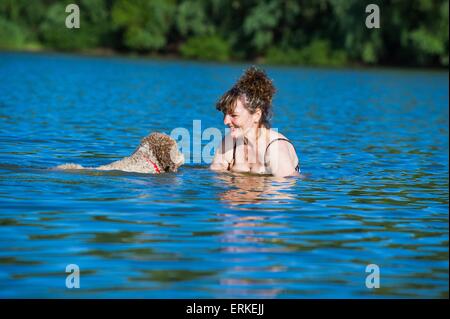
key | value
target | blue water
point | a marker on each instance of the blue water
(373, 145)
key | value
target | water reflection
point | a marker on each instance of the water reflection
(245, 189)
(247, 241)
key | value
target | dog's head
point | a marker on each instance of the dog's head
(164, 149)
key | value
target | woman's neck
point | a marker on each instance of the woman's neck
(253, 134)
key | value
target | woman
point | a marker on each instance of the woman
(251, 145)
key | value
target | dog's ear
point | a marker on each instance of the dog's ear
(161, 146)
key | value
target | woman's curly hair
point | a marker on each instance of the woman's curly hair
(255, 90)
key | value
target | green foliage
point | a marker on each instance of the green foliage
(55, 34)
(145, 22)
(93, 31)
(11, 35)
(260, 23)
(310, 32)
(206, 48)
(318, 53)
(191, 19)
(19, 22)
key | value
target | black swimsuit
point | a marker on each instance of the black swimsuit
(230, 165)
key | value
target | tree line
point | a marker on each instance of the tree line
(305, 32)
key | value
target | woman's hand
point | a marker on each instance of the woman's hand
(220, 162)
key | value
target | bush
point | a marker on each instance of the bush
(145, 23)
(206, 48)
(54, 33)
(317, 53)
(12, 36)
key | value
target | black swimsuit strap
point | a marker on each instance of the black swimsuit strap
(234, 155)
(297, 168)
(277, 139)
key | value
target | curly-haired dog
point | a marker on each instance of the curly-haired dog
(157, 153)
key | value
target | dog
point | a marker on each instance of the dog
(157, 153)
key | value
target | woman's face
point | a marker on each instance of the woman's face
(240, 121)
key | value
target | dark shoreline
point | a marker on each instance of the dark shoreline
(109, 53)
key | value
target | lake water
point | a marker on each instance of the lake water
(373, 145)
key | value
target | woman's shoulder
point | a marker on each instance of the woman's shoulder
(282, 156)
(286, 147)
(274, 135)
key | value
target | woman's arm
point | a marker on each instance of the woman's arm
(221, 157)
(282, 159)
(218, 163)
